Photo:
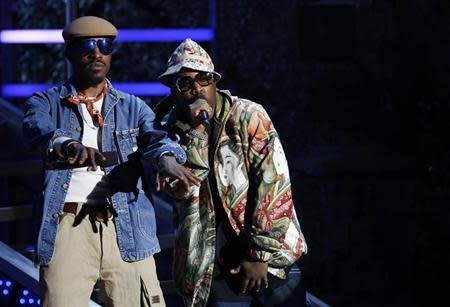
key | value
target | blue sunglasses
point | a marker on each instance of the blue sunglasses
(87, 46)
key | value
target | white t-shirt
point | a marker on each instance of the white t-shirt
(87, 185)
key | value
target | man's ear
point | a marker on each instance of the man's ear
(69, 54)
(173, 92)
(171, 80)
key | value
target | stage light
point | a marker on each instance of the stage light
(29, 298)
(165, 35)
(54, 36)
(135, 88)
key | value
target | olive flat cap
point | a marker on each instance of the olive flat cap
(88, 26)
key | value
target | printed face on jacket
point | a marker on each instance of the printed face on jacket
(230, 168)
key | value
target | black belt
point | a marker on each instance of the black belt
(101, 210)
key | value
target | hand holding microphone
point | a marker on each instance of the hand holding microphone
(200, 112)
(204, 118)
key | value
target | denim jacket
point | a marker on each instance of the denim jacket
(128, 129)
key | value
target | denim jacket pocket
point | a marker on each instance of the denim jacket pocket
(127, 141)
(146, 219)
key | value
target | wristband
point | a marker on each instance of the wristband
(65, 146)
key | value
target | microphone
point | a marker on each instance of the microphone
(204, 118)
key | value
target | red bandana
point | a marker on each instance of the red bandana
(89, 102)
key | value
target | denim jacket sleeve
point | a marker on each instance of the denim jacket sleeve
(39, 127)
(155, 141)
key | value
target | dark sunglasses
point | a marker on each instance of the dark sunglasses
(86, 46)
(184, 84)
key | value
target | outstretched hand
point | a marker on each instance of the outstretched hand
(77, 153)
(254, 275)
(169, 168)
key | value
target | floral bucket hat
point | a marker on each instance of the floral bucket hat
(189, 55)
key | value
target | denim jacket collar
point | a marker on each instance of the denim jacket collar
(68, 89)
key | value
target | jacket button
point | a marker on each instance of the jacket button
(78, 129)
(55, 215)
(65, 185)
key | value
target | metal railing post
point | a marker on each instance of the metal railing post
(71, 14)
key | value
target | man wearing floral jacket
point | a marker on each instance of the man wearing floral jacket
(238, 232)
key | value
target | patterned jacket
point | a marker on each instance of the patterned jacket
(250, 172)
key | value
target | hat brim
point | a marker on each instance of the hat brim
(88, 26)
(166, 77)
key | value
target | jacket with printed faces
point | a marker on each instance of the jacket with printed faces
(248, 170)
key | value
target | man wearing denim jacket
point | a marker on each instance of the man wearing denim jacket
(97, 222)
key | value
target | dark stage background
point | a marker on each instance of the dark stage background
(358, 91)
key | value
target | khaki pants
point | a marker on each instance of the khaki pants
(82, 257)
